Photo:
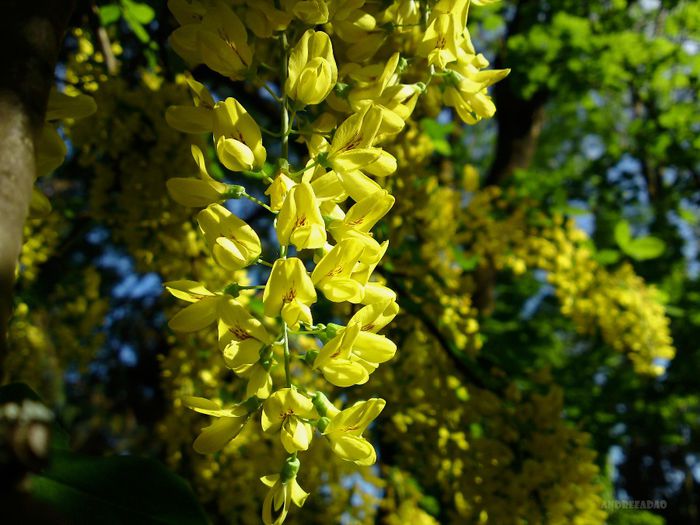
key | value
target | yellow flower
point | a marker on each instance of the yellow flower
(332, 274)
(312, 69)
(352, 146)
(241, 336)
(289, 291)
(346, 428)
(193, 119)
(467, 93)
(229, 424)
(352, 355)
(201, 313)
(312, 12)
(335, 359)
(196, 192)
(223, 42)
(237, 136)
(374, 317)
(234, 244)
(300, 221)
(364, 214)
(440, 41)
(259, 382)
(277, 191)
(288, 411)
(279, 498)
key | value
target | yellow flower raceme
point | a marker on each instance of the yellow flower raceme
(290, 292)
(299, 221)
(346, 428)
(312, 69)
(234, 244)
(229, 424)
(197, 192)
(238, 139)
(203, 311)
(288, 412)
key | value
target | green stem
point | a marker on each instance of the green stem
(258, 201)
(287, 356)
(264, 263)
(272, 93)
(284, 127)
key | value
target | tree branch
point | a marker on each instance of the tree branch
(30, 38)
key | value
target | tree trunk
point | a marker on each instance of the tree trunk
(30, 38)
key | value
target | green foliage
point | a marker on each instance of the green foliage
(118, 489)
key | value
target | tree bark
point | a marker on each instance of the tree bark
(30, 38)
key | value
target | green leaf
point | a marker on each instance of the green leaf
(606, 257)
(137, 28)
(142, 13)
(623, 236)
(109, 14)
(645, 248)
(438, 133)
(466, 263)
(115, 490)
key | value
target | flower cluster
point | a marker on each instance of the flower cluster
(617, 303)
(343, 89)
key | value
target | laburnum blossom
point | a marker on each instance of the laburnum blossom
(289, 292)
(324, 203)
(364, 214)
(352, 355)
(299, 221)
(466, 91)
(283, 492)
(277, 191)
(193, 119)
(229, 423)
(288, 412)
(203, 311)
(237, 137)
(197, 192)
(312, 70)
(233, 243)
(213, 34)
(345, 429)
(333, 273)
(440, 41)
(352, 147)
(241, 338)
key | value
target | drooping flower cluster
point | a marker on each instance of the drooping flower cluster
(339, 85)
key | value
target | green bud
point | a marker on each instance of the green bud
(403, 65)
(290, 469)
(321, 403)
(310, 357)
(233, 289)
(342, 89)
(323, 424)
(234, 191)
